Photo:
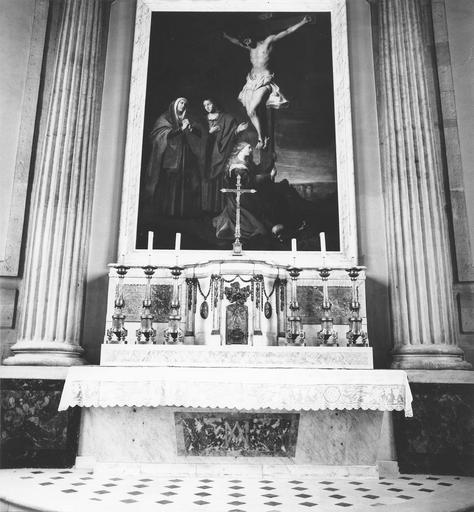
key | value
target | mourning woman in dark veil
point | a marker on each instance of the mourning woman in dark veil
(173, 172)
(223, 129)
(253, 216)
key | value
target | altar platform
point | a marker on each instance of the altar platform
(210, 421)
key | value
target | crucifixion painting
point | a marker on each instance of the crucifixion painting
(207, 125)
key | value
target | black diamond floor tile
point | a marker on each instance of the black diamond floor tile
(237, 495)
(272, 503)
(204, 487)
(395, 489)
(363, 489)
(330, 489)
(406, 478)
(236, 481)
(206, 480)
(356, 483)
(236, 487)
(444, 483)
(169, 493)
(236, 503)
(78, 483)
(404, 497)
(236, 510)
(386, 483)
(128, 501)
(202, 494)
(269, 495)
(86, 478)
(415, 483)
(325, 482)
(343, 504)
(107, 485)
(173, 486)
(37, 472)
(303, 495)
(337, 496)
(50, 483)
(67, 472)
(308, 504)
(95, 499)
(141, 486)
(432, 478)
(134, 493)
(57, 478)
(68, 491)
(426, 490)
(291, 482)
(299, 488)
(164, 502)
(151, 480)
(371, 496)
(116, 479)
(174, 480)
(201, 502)
(103, 492)
(25, 477)
(267, 488)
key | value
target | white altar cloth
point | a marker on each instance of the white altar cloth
(237, 388)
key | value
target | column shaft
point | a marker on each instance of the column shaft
(51, 300)
(418, 243)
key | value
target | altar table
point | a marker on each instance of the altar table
(260, 421)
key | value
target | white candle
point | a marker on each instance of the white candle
(177, 242)
(322, 239)
(122, 259)
(293, 245)
(150, 241)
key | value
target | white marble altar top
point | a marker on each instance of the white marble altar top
(241, 356)
(237, 388)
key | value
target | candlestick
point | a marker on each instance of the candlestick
(355, 336)
(293, 245)
(150, 241)
(177, 242)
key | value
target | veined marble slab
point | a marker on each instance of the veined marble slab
(231, 356)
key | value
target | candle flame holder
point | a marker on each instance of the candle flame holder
(327, 335)
(174, 334)
(146, 333)
(355, 336)
(294, 334)
(117, 333)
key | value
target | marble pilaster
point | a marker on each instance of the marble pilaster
(51, 298)
(418, 243)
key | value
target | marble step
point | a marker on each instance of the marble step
(237, 356)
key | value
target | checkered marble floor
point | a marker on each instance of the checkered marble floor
(74, 490)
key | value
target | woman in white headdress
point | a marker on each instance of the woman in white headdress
(173, 171)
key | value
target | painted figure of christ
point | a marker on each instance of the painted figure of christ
(260, 91)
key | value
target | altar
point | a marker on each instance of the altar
(209, 421)
(236, 366)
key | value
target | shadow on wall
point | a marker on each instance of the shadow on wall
(378, 319)
(95, 311)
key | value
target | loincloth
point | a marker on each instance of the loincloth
(254, 82)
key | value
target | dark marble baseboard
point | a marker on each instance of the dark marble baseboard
(32, 431)
(439, 439)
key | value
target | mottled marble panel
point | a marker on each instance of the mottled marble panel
(33, 432)
(439, 439)
(134, 294)
(339, 437)
(310, 299)
(236, 434)
(149, 435)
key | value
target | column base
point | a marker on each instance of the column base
(429, 357)
(45, 353)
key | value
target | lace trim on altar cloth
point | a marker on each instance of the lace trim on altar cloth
(236, 388)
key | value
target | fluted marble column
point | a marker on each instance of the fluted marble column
(51, 298)
(416, 223)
